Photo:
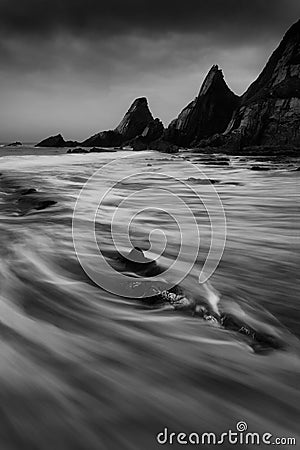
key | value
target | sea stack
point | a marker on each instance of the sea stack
(269, 112)
(138, 121)
(209, 113)
(135, 120)
(56, 141)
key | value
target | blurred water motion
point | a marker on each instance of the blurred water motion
(82, 368)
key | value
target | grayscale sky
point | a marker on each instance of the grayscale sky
(74, 66)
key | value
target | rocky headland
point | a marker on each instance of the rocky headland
(264, 120)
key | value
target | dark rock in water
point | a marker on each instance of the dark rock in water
(56, 141)
(28, 191)
(15, 144)
(163, 146)
(231, 183)
(260, 341)
(102, 150)
(208, 114)
(34, 201)
(260, 168)
(108, 138)
(181, 300)
(269, 111)
(217, 163)
(77, 150)
(136, 120)
(203, 181)
(45, 204)
(137, 262)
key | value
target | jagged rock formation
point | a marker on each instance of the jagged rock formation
(138, 121)
(153, 131)
(208, 114)
(266, 116)
(163, 146)
(135, 120)
(159, 144)
(269, 113)
(108, 138)
(15, 144)
(56, 141)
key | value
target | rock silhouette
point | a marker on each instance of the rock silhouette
(137, 118)
(269, 112)
(56, 141)
(208, 114)
(108, 138)
(137, 122)
(266, 116)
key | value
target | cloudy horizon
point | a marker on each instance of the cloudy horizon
(74, 67)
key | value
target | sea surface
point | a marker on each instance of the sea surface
(84, 368)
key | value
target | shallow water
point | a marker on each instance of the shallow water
(83, 368)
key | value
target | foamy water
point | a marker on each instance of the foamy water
(82, 368)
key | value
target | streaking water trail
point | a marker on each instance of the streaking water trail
(82, 368)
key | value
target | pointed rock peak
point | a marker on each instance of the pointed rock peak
(208, 114)
(214, 70)
(52, 141)
(293, 31)
(214, 76)
(139, 103)
(136, 119)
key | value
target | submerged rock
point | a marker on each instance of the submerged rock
(28, 191)
(260, 168)
(34, 201)
(203, 181)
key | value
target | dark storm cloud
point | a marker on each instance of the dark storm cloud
(43, 17)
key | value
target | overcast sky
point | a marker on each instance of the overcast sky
(74, 66)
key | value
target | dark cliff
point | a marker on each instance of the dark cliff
(208, 114)
(269, 112)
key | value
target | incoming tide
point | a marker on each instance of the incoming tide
(87, 369)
